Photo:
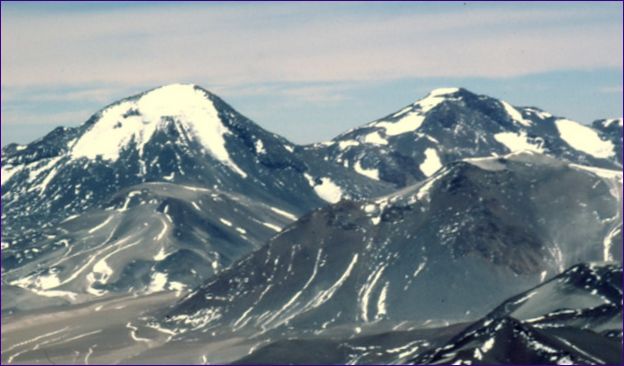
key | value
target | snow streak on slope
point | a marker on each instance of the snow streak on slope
(515, 115)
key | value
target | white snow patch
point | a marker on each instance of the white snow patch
(434, 98)
(443, 91)
(371, 173)
(157, 283)
(133, 335)
(411, 122)
(272, 226)
(515, 115)
(191, 108)
(525, 297)
(42, 282)
(98, 227)
(487, 345)
(432, 162)
(421, 266)
(608, 243)
(225, 222)
(169, 177)
(42, 285)
(103, 270)
(584, 139)
(286, 214)
(160, 255)
(369, 208)
(8, 172)
(541, 347)
(163, 231)
(609, 122)
(382, 309)
(178, 287)
(539, 113)
(259, 145)
(375, 138)
(517, 142)
(327, 190)
(200, 319)
(342, 145)
(129, 198)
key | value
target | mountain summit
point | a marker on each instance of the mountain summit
(451, 124)
(155, 191)
(177, 133)
(188, 110)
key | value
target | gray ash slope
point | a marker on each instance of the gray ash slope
(450, 124)
(149, 238)
(181, 136)
(165, 189)
(446, 250)
(575, 318)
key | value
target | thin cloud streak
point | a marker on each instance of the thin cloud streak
(336, 64)
(255, 44)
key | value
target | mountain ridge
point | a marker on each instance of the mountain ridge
(222, 237)
(180, 135)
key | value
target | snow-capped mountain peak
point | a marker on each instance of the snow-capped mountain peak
(450, 124)
(135, 120)
(411, 117)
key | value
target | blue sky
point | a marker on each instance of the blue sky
(307, 71)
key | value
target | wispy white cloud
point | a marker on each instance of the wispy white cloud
(233, 45)
(288, 59)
